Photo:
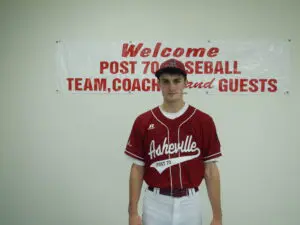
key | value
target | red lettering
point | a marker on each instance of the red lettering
(100, 84)
(69, 80)
(227, 71)
(209, 84)
(189, 84)
(132, 64)
(235, 68)
(253, 85)
(234, 85)
(136, 85)
(103, 66)
(116, 84)
(196, 52)
(154, 66)
(198, 85)
(243, 85)
(219, 67)
(126, 84)
(223, 85)
(198, 67)
(145, 84)
(213, 52)
(166, 52)
(263, 84)
(87, 85)
(114, 67)
(208, 67)
(95, 84)
(147, 63)
(202, 84)
(131, 50)
(78, 84)
(123, 67)
(155, 85)
(178, 52)
(273, 86)
(145, 52)
(156, 49)
(247, 85)
(188, 67)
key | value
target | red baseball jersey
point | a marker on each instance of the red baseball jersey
(173, 150)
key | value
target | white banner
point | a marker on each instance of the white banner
(213, 67)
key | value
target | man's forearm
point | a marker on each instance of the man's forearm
(212, 179)
(135, 185)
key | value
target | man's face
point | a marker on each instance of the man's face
(172, 86)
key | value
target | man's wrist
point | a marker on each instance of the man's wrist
(132, 209)
(217, 217)
(133, 213)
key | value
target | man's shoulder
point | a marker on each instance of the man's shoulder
(201, 115)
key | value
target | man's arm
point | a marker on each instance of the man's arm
(212, 180)
(135, 185)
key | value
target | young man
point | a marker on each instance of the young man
(174, 147)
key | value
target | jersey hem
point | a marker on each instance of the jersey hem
(133, 155)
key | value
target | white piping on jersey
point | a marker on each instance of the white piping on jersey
(168, 132)
(134, 155)
(211, 155)
(179, 142)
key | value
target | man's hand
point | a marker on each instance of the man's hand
(135, 220)
(216, 222)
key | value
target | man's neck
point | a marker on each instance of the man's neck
(172, 107)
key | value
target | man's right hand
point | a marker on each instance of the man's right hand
(135, 220)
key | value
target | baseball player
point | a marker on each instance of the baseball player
(174, 147)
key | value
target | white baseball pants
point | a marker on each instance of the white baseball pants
(166, 210)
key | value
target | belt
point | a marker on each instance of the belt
(175, 192)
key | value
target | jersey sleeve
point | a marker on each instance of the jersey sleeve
(135, 161)
(211, 143)
(134, 147)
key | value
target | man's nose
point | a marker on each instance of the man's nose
(172, 86)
